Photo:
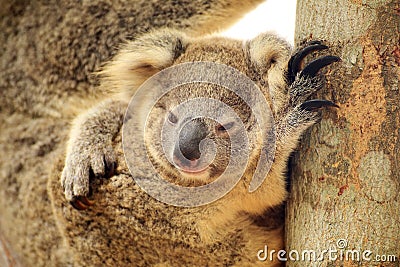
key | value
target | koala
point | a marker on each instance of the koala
(270, 63)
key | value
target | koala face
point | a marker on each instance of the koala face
(200, 147)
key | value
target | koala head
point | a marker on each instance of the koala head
(200, 148)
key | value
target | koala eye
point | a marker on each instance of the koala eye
(172, 118)
(222, 128)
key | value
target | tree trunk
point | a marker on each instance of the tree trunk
(345, 179)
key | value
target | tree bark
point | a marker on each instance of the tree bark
(345, 179)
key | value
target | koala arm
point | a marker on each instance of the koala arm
(294, 114)
(89, 149)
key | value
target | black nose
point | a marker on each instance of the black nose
(190, 137)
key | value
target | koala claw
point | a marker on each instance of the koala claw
(304, 82)
(297, 58)
(81, 203)
(315, 104)
(311, 69)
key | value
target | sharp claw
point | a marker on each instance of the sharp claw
(81, 203)
(77, 204)
(86, 201)
(296, 59)
(315, 104)
(314, 66)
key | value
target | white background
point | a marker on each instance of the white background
(274, 15)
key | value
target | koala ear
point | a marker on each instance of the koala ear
(267, 50)
(269, 56)
(137, 60)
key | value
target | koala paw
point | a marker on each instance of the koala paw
(83, 162)
(304, 82)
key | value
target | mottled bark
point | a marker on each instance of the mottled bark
(346, 177)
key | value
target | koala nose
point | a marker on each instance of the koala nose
(190, 136)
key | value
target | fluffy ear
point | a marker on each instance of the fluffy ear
(267, 50)
(137, 60)
(269, 55)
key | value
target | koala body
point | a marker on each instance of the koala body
(232, 229)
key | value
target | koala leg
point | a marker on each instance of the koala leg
(90, 151)
(301, 114)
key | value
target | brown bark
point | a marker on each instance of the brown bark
(345, 179)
